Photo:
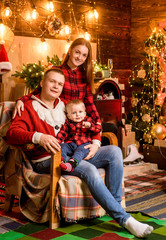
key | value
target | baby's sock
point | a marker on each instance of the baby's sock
(66, 167)
(137, 228)
(69, 166)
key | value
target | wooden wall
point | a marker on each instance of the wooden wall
(145, 15)
(112, 33)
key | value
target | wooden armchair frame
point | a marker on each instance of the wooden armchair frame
(55, 172)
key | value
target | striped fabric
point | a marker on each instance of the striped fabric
(6, 109)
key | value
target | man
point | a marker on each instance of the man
(34, 132)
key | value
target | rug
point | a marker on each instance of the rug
(147, 193)
(104, 228)
(2, 194)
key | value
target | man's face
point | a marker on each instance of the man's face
(76, 112)
(52, 85)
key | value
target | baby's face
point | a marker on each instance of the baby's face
(76, 112)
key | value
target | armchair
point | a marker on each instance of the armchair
(57, 190)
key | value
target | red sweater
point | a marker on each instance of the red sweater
(34, 118)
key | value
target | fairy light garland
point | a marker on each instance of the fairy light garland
(147, 75)
(16, 9)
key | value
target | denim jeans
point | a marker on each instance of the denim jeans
(109, 196)
(74, 151)
(42, 167)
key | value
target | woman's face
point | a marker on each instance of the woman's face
(78, 56)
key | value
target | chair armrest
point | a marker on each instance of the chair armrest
(55, 173)
(111, 137)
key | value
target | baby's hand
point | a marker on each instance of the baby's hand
(86, 124)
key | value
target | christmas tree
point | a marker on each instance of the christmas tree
(148, 86)
(33, 73)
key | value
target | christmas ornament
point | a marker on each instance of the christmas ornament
(162, 119)
(53, 25)
(146, 118)
(147, 137)
(134, 118)
(134, 101)
(158, 131)
(141, 73)
(5, 65)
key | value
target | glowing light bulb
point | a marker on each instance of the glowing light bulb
(28, 16)
(35, 14)
(67, 29)
(7, 12)
(90, 14)
(87, 36)
(44, 46)
(50, 6)
(96, 15)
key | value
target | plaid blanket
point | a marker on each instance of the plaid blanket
(6, 109)
(73, 198)
(76, 200)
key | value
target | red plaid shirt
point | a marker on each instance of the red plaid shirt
(75, 87)
(74, 132)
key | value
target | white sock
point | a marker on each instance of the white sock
(137, 228)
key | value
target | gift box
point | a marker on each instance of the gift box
(128, 138)
(159, 143)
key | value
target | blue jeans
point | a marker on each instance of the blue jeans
(74, 151)
(109, 196)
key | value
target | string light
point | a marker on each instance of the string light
(50, 6)
(35, 14)
(93, 14)
(67, 29)
(16, 8)
(96, 15)
(87, 36)
(7, 12)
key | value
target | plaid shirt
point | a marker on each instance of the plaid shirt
(74, 132)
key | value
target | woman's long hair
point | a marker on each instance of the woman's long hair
(87, 65)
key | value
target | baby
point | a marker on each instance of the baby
(76, 133)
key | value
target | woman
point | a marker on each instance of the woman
(77, 68)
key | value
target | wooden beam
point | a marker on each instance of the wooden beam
(55, 175)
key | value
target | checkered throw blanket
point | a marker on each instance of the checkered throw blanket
(6, 109)
(76, 200)
(73, 197)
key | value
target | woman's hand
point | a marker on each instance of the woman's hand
(50, 143)
(18, 108)
(92, 150)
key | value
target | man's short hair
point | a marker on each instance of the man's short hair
(57, 70)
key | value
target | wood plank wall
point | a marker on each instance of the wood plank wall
(145, 15)
(112, 33)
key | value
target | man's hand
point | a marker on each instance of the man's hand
(50, 143)
(86, 124)
(92, 150)
(18, 108)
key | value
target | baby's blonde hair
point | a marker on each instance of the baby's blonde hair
(74, 102)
